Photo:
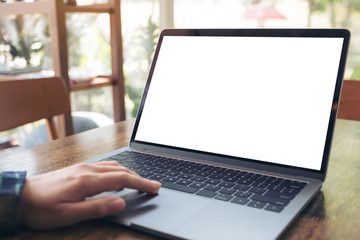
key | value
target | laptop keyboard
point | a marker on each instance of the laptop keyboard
(239, 187)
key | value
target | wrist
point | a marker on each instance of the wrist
(11, 185)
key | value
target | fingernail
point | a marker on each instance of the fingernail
(156, 184)
(117, 205)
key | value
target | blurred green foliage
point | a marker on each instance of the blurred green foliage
(22, 41)
(144, 42)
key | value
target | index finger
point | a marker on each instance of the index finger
(96, 183)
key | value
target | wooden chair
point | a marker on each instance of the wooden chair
(349, 107)
(28, 100)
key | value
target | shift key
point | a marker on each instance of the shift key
(277, 201)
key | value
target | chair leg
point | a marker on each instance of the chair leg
(51, 129)
(64, 125)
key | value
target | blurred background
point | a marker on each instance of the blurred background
(25, 39)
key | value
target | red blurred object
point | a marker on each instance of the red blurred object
(261, 14)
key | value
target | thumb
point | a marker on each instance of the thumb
(91, 209)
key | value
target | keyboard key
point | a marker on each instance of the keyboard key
(202, 174)
(152, 164)
(259, 178)
(146, 174)
(213, 181)
(223, 197)
(274, 208)
(193, 165)
(212, 188)
(206, 168)
(256, 204)
(227, 191)
(177, 168)
(248, 175)
(206, 193)
(274, 180)
(243, 173)
(230, 179)
(261, 185)
(293, 191)
(293, 184)
(245, 182)
(240, 200)
(198, 179)
(149, 169)
(171, 179)
(184, 182)
(257, 190)
(135, 168)
(216, 176)
(243, 194)
(272, 200)
(276, 188)
(173, 173)
(217, 170)
(157, 177)
(164, 166)
(300, 184)
(190, 171)
(227, 184)
(230, 172)
(161, 171)
(198, 185)
(178, 187)
(118, 157)
(126, 153)
(279, 195)
(186, 176)
(241, 187)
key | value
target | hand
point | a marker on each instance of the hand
(58, 198)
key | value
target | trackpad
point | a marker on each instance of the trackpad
(163, 212)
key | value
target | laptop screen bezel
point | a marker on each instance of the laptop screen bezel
(317, 33)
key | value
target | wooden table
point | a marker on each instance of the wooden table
(333, 214)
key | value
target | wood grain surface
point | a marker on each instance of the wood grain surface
(333, 214)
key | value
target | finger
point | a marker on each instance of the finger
(93, 184)
(107, 166)
(140, 183)
(106, 169)
(90, 209)
(110, 168)
(108, 162)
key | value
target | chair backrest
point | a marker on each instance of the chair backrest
(349, 107)
(28, 100)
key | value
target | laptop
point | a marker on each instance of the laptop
(237, 124)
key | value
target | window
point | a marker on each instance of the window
(23, 43)
(142, 20)
(275, 14)
(89, 55)
(139, 37)
(140, 31)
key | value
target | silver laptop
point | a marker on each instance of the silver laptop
(237, 124)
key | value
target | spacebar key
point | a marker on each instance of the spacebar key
(179, 187)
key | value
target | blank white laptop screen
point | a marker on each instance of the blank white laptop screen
(261, 98)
